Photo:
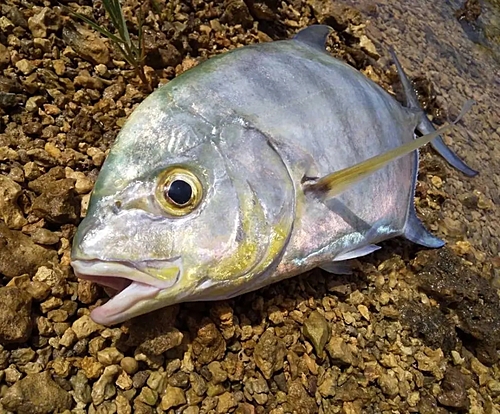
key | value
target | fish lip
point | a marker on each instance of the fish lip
(93, 269)
(133, 283)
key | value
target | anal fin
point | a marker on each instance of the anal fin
(415, 231)
(337, 268)
(353, 254)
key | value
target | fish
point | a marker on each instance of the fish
(255, 166)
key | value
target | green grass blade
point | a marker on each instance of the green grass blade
(96, 26)
(115, 12)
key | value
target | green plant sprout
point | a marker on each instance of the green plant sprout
(132, 52)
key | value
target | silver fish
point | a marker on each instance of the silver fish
(255, 166)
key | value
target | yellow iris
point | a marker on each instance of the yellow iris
(179, 191)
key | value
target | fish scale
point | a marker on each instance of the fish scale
(302, 162)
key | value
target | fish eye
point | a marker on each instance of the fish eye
(179, 191)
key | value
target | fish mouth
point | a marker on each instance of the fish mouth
(131, 283)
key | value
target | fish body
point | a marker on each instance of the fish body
(241, 137)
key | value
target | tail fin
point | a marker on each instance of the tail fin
(425, 126)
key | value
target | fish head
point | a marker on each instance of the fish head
(182, 210)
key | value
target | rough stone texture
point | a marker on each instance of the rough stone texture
(317, 330)
(393, 326)
(153, 333)
(15, 315)
(37, 394)
(86, 43)
(19, 255)
(209, 345)
(474, 302)
(58, 202)
(269, 354)
(9, 209)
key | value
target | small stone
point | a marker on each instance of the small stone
(388, 384)
(58, 202)
(86, 43)
(365, 313)
(198, 384)
(31, 171)
(109, 356)
(173, 398)
(36, 394)
(129, 365)
(6, 25)
(12, 375)
(4, 56)
(269, 354)
(15, 315)
(45, 236)
(299, 399)
(219, 375)
(436, 181)
(340, 352)
(22, 356)
(25, 66)
(209, 345)
(494, 388)
(85, 326)
(68, 338)
(81, 388)
(457, 359)
(179, 379)
(34, 102)
(148, 396)
(83, 185)
(91, 367)
(9, 210)
(124, 381)
(122, 405)
(226, 402)
(44, 21)
(61, 367)
(87, 291)
(88, 82)
(454, 388)
(214, 390)
(53, 151)
(317, 330)
(328, 385)
(236, 12)
(97, 156)
(104, 387)
(9, 154)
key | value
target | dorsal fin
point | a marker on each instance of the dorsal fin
(314, 36)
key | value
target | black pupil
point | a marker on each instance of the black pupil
(180, 192)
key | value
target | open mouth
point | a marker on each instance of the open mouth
(130, 284)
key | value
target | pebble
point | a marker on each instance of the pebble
(269, 354)
(85, 326)
(173, 397)
(317, 330)
(25, 66)
(38, 394)
(226, 402)
(104, 388)
(109, 356)
(9, 209)
(15, 315)
(129, 365)
(340, 352)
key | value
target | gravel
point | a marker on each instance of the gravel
(410, 330)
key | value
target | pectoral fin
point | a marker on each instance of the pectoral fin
(336, 183)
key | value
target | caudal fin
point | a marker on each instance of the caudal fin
(425, 125)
